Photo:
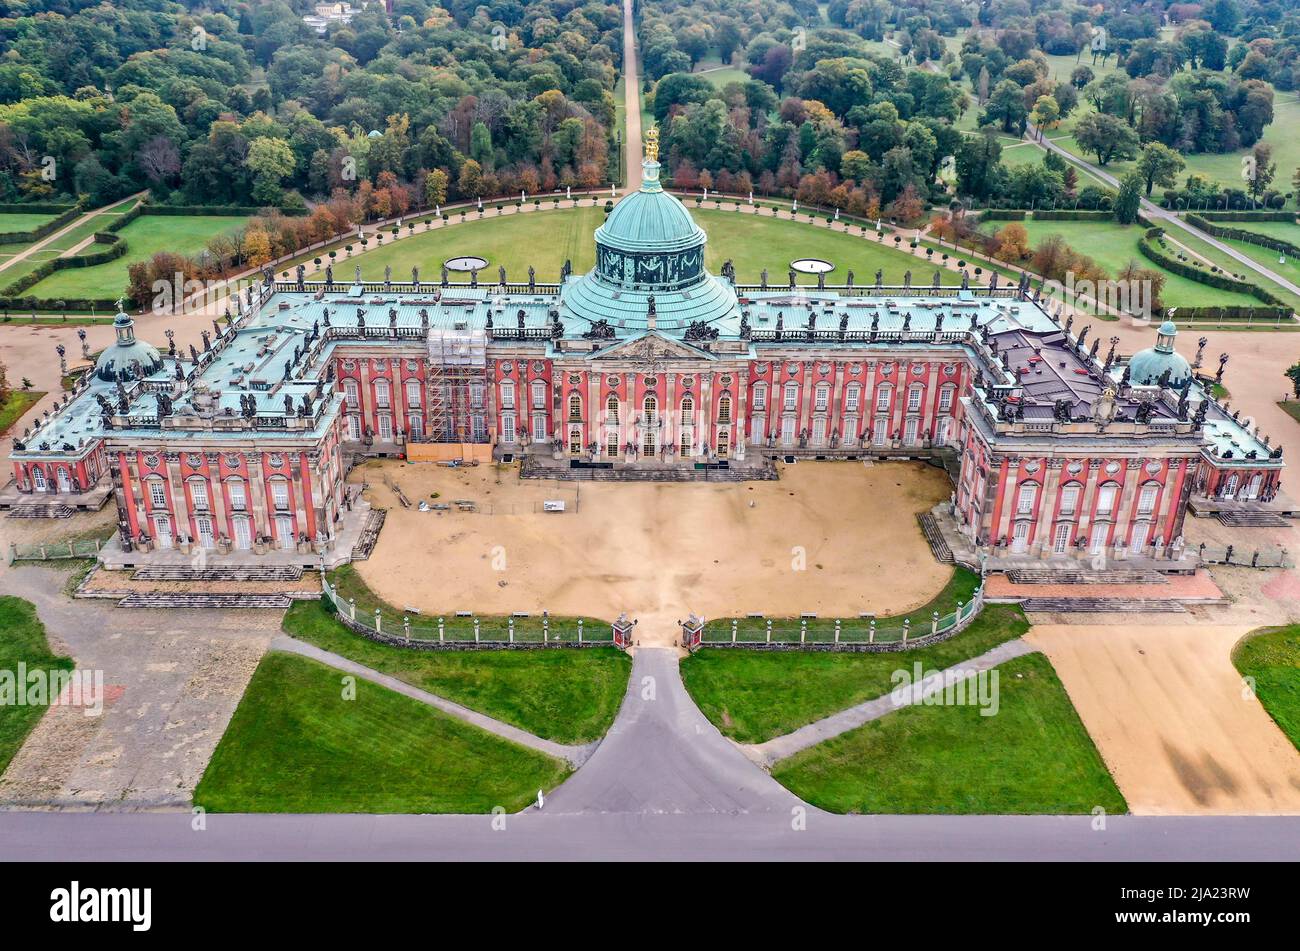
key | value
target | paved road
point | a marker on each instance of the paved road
(1154, 211)
(631, 102)
(575, 755)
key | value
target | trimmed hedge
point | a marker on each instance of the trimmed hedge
(1150, 249)
(1246, 215)
(1070, 214)
(222, 210)
(1249, 237)
(1003, 214)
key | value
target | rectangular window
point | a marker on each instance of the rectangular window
(1061, 540)
(1147, 500)
(910, 433)
(1026, 499)
(157, 494)
(823, 397)
(879, 432)
(386, 428)
(238, 497)
(787, 431)
(914, 399)
(1020, 538)
(507, 396)
(945, 399)
(819, 431)
(507, 428)
(280, 494)
(539, 429)
(416, 424)
(791, 396)
(354, 428)
(1106, 500)
(476, 393)
(1069, 499)
(539, 396)
(413, 393)
(199, 494)
(760, 397)
(851, 399)
(478, 428)
(882, 400)
(756, 430)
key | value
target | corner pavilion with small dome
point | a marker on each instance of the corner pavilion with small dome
(647, 367)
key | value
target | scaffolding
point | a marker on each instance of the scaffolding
(457, 386)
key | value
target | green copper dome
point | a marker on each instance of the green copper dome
(649, 250)
(1148, 366)
(128, 358)
(650, 219)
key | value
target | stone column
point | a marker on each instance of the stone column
(180, 498)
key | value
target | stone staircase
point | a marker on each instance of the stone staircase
(274, 573)
(370, 534)
(930, 529)
(42, 510)
(1077, 576)
(200, 601)
(1252, 520)
(530, 468)
(1102, 605)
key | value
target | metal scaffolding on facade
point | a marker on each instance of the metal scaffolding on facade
(458, 386)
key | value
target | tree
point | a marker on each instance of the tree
(271, 161)
(1106, 136)
(1262, 168)
(470, 184)
(1046, 114)
(1006, 108)
(435, 188)
(1128, 203)
(1159, 165)
(1292, 373)
(1012, 243)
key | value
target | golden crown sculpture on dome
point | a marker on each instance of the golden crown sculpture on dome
(652, 145)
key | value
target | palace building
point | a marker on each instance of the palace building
(646, 367)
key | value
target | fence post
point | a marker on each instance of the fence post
(803, 630)
(871, 633)
(934, 623)
(907, 627)
(511, 623)
(734, 622)
(546, 630)
(837, 630)
(406, 625)
(957, 618)
(476, 630)
(352, 608)
(379, 624)
(439, 630)
(70, 551)
(579, 630)
(769, 630)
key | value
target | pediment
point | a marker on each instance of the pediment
(651, 347)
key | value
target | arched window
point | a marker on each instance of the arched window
(724, 409)
(1026, 498)
(688, 410)
(575, 406)
(38, 477)
(650, 409)
(611, 409)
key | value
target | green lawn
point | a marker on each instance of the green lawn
(961, 586)
(28, 221)
(1113, 245)
(22, 640)
(569, 695)
(296, 744)
(145, 237)
(754, 695)
(1291, 408)
(98, 221)
(1272, 657)
(1033, 756)
(545, 239)
(720, 76)
(13, 406)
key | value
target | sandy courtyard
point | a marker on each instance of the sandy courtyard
(659, 550)
(1171, 717)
